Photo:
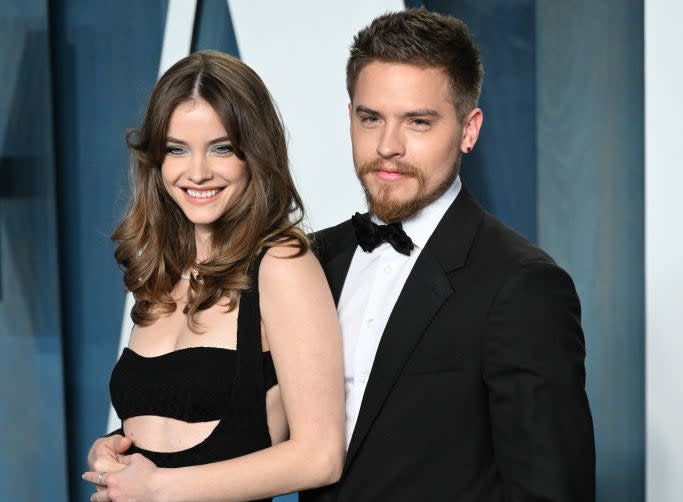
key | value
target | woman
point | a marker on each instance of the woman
(231, 387)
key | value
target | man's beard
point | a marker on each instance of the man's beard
(389, 209)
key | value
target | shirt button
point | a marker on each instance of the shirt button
(370, 323)
(363, 379)
(387, 269)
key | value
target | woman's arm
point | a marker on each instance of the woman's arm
(301, 326)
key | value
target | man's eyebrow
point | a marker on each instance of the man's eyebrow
(365, 109)
(420, 112)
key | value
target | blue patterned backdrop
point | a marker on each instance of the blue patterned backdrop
(590, 210)
(560, 159)
(104, 65)
(31, 371)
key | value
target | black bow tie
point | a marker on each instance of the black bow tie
(370, 235)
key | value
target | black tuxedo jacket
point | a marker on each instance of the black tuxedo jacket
(477, 389)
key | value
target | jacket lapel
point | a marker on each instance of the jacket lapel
(335, 248)
(425, 291)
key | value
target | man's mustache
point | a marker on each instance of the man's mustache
(403, 168)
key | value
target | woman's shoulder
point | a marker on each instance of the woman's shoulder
(287, 261)
(287, 248)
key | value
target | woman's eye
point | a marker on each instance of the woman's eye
(174, 150)
(223, 149)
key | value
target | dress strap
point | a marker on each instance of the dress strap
(249, 387)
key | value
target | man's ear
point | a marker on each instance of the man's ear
(350, 109)
(470, 130)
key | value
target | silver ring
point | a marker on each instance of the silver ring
(100, 479)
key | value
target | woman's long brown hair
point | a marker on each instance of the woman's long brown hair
(155, 242)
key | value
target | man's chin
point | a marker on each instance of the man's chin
(392, 209)
(392, 194)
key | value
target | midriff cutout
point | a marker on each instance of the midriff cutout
(165, 435)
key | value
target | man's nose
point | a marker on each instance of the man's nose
(391, 142)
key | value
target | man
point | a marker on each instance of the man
(464, 355)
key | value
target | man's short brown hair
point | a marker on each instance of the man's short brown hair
(421, 38)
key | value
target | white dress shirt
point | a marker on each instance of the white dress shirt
(373, 284)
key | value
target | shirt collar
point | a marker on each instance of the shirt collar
(422, 224)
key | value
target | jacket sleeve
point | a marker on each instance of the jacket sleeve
(534, 370)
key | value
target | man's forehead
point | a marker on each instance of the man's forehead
(400, 66)
(400, 77)
(402, 89)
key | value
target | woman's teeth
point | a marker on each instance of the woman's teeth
(201, 194)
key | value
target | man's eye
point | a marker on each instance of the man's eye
(421, 122)
(370, 119)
